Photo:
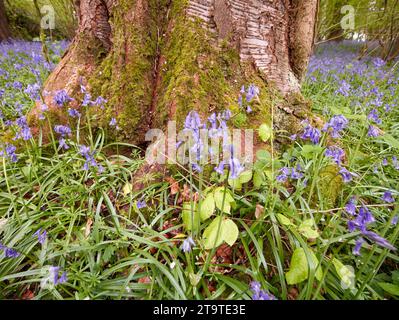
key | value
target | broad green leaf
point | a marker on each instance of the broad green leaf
(309, 150)
(306, 228)
(219, 195)
(284, 220)
(190, 217)
(298, 271)
(346, 273)
(319, 270)
(245, 176)
(127, 189)
(264, 156)
(259, 179)
(207, 207)
(265, 132)
(235, 184)
(228, 233)
(211, 234)
(391, 288)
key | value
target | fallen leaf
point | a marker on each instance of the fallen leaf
(259, 211)
(89, 223)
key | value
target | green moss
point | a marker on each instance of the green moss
(196, 73)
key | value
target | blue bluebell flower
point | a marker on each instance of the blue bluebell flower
(387, 197)
(188, 244)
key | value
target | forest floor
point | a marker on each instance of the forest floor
(318, 221)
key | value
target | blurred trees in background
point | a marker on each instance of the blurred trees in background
(376, 21)
(24, 19)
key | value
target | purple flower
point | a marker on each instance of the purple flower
(344, 89)
(336, 124)
(141, 204)
(90, 161)
(395, 220)
(113, 122)
(335, 153)
(74, 113)
(311, 133)
(346, 175)
(373, 131)
(41, 235)
(187, 244)
(358, 246)
(378, 239)
(62, 130)
(387, 197)
(235, 168)
(10, 153)
(373, 115)
(252, 92)
(54, 274)
(63, 144)
(8, 252)
(61, 97)
(258, 294)
(384, 162)
(351, 206)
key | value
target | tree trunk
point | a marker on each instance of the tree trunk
(155, 60)
(4, 28)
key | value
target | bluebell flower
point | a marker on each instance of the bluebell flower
(258, 294)
(73, 113)
(54, 275)
(378, 239)
(337, 123)
(141, 204)
(350, 207)
(188, 244)
(387, 197)
(384, 162)
(335, 153)
(346, 175)
(41, 235)
(311, 133)
(61, 97)
(9, 252)
(113, 122)
(9, 153)
(62, 130)
(373, 131)
(358, 246)
(373, 115)
(395, 219)
(344, 89)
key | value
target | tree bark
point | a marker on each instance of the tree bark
(155, 60)
(4, 28)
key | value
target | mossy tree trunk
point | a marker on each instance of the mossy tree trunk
(4, 28)
(155, 60)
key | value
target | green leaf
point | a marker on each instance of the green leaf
(284, 220)
(245, 176)
(346, 273)
(235, 184)
(309, 150)
(127, 189)
(207, 207)
(319, 271)
(265, 132)
(190, 217)
(228, 233)
(264, 156)
(298, 271)
(390, 140)
(391, 288)
(306, 228)
(259, 179)
(219, 194)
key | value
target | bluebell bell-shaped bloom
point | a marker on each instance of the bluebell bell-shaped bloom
(387, 197)
(188, 244)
